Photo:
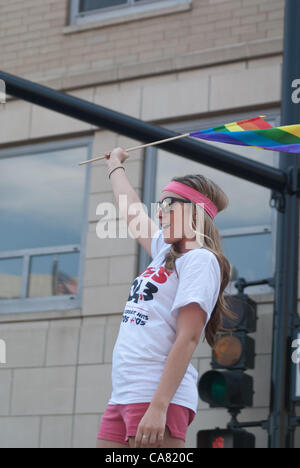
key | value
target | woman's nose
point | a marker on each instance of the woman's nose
(158, 211)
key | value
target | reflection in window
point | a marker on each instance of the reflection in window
(84, 11)
(42, 208)
(250, 255)
(87, 5)
(53, 275)
(248, 208)
(41, 199)
(10, 278)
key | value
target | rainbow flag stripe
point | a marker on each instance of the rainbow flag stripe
(255, 132)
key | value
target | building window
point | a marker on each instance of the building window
(247, 227)
(108, 11)
(43, 205)
(88, 5)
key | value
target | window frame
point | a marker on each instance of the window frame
(131, 10)
(151, 157)
(50, 303)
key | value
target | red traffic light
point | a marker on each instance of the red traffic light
(225, 438)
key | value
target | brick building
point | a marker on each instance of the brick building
(180, 64)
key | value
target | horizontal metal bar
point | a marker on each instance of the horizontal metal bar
(40, 251)
(40, 304)
(246, 231)
(190, 148)
(241, 282)
(237, 425)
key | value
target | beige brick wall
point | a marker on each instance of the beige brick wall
(59, 373)
(57, 380)
(56, 384)
(33, 43)
(181, 95)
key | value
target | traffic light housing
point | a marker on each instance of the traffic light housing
(234, 351)
(245, 310)
(225, 438)
(227, 386)
(226, 389)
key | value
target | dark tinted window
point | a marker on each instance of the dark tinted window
(87, 5)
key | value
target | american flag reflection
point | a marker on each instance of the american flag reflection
(65, 284)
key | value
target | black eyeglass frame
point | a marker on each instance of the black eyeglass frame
(159, 204)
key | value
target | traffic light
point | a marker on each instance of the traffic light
(226, 389)
(234, 351)
(228, 386)
(244, 309)
(225, 438)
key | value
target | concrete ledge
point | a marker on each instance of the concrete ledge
(37, 316)
(206, 58)
(193, 60)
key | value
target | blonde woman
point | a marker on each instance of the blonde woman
(171, 305)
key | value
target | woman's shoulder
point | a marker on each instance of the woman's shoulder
(199, 253)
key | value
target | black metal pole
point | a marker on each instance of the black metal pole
(123, 124)
(286, 282)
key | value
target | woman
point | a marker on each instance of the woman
(170, 306)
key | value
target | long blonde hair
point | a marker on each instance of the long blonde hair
(211, 240)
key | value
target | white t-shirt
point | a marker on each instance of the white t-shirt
(148, 327)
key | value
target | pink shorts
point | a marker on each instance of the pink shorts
(120, 422)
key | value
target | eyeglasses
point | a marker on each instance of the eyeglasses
(166, 204)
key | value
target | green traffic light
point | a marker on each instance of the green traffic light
(213, 388)
(218, 389)
(230, 389)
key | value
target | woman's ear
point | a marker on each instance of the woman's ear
(194, 216)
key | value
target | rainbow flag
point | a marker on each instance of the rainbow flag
(257, 133)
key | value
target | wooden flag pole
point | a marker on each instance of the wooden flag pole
(137, 147)
(150, 144)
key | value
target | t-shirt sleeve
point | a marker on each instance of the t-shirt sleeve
(157, 243)
(199, 281)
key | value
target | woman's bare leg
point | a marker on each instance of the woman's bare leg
(168, 442)
(101, 443)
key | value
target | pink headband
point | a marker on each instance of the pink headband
(193, 195)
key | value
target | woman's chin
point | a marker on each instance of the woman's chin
(166, 236)
(170, 240)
